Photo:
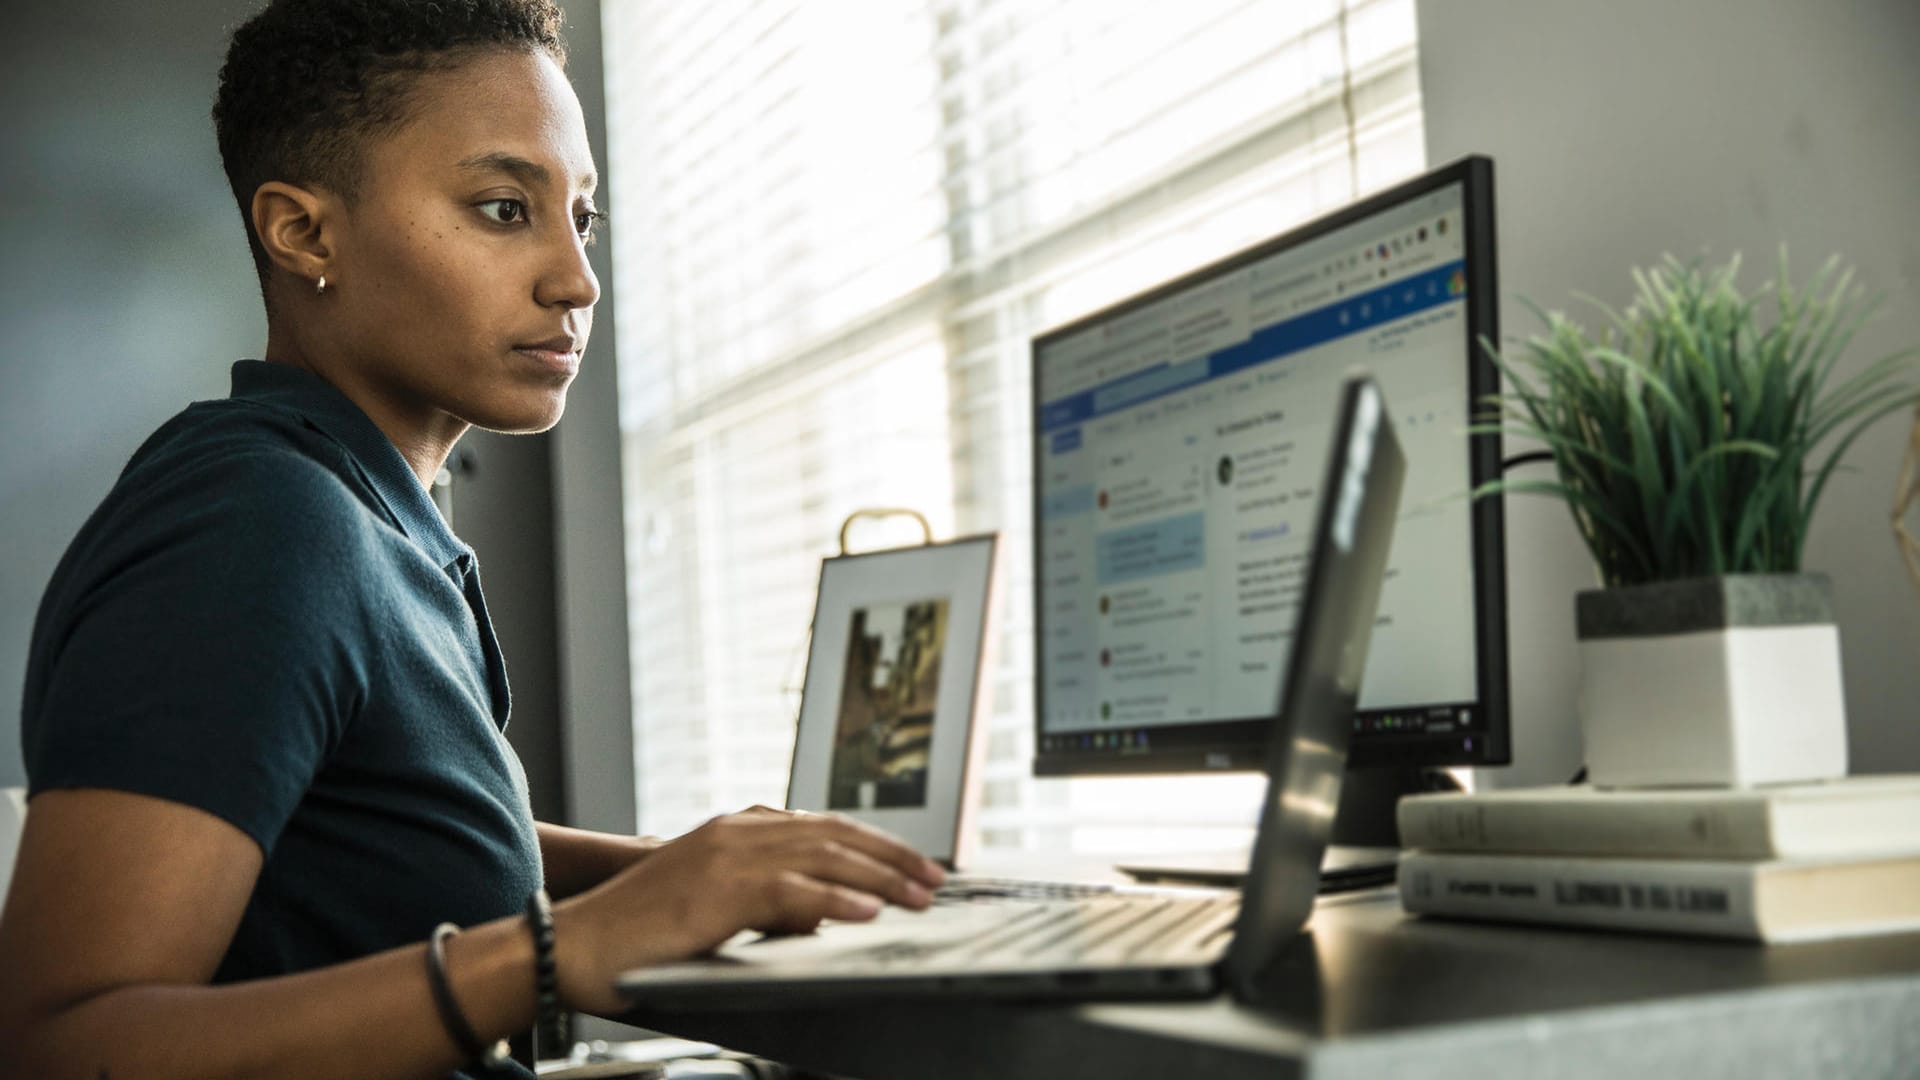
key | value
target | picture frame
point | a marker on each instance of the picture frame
(890, 725)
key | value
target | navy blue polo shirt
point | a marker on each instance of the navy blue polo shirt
(267, 619)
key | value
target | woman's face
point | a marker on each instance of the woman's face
(459, 291)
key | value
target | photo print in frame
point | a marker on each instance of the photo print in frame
(883, 733)
(893, 686)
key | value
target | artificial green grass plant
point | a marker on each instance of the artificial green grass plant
(1694, 436)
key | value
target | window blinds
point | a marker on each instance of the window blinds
(838, 226)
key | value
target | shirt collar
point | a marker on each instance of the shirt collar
(335, 415)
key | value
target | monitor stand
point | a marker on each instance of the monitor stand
(1369, 796)
(1364, 847)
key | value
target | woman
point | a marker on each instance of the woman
(263, 704)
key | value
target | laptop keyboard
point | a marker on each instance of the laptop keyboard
(1091, 930)
(969, 890)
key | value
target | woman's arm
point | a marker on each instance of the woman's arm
(122, 907)
(576, 860)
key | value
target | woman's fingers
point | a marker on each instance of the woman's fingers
(761, 810)
(802, 901)
(770, 830)
(833, 850)
(878, 846)
(836, 863)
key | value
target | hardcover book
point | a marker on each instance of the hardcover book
(1773, 901)
(1856, 815)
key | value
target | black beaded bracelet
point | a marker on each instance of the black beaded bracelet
(450, 1014)
(545, 981)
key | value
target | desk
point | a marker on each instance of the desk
(1371, 992)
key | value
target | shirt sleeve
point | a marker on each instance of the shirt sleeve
(205, 646)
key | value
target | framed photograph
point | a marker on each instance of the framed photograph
(893, 685)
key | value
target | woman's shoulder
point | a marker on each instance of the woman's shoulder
(235, 457)
(223, 486)
(210, 434)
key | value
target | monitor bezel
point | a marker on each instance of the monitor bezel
(1241, 745)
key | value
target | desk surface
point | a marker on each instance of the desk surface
(1368, 991)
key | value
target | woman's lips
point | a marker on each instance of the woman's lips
(560, 360)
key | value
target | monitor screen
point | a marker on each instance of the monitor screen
(1180, 437)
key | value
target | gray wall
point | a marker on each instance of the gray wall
(125, 293)
(125, 287)
(1627, 129)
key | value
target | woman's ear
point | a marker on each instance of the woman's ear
(294, 227)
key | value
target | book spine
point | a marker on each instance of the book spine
(1588, 826)
(1715, 899)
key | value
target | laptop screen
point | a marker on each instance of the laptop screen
(1307, 753)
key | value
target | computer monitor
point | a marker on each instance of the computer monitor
(1179, 438)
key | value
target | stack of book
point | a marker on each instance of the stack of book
(1788, 863)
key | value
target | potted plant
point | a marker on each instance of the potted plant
(1692, 439)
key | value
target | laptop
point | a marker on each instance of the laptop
(1131, 942)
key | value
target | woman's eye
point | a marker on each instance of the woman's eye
(584, 222)
(504, 211)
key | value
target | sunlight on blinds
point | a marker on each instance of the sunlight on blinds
(839, 227)
(779, 175)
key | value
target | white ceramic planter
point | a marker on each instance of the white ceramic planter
(1726, 682)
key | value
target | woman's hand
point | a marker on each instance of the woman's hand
(759, 869)
(576, 860)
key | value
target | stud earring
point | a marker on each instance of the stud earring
(320, 287)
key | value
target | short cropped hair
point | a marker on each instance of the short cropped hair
(307, 82)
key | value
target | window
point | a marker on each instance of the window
(839, 225)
